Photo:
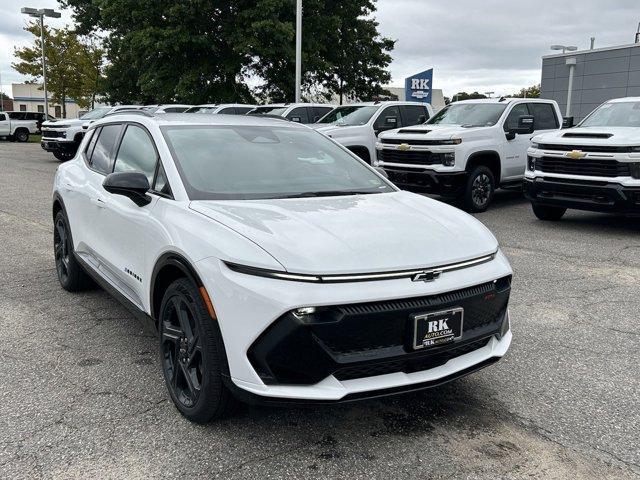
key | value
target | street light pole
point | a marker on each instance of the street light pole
(298, 48)
(40, 14)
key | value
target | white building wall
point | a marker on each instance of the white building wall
(29, 97)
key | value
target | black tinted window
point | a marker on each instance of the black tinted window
(413, 114)
(320, 112)
(161, 185)
(17, 115)
(243, 110)
(384, 120)
(3, 117)
(517, 112)
(298, 115)
(103, 150)
(136, 153)
(545, 116)
(175, 109)
(228, 111)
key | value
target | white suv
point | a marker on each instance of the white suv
(247, 241)
(356, 126)
(468, 149)
(296, 112)
(62, 137)
(595, 166)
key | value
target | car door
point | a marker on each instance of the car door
(388, 119)
(515, 150)
(5, 125)
(128, 227)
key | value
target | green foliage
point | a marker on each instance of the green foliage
(198, 51)
(73, 66)
(467, 96)
(529, 92)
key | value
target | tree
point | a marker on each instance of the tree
(529, 92)
(467, 96)
(73, 68)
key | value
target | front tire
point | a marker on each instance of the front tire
(479, 190)
(70, 274)
(193, 355)
(547, 213)
(63, 156)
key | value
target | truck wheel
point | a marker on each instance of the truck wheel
(70, 273)
(545, 212)
(479, 190)
(21, 135)
(63, 156)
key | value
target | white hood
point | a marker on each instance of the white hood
(587, 136)
(430, 132)
(65, 122)
(355, 234)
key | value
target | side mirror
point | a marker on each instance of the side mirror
(567, 122)
(382, 172)
(526, 125)
(133, 185)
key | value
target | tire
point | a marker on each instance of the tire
(63, 156)
(21, 135)
(70, 273)
(479, 190)
(192, 355)
(547, 213)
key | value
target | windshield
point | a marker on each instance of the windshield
(201, 110)
(468, 114)
(96, 113)
(268, 111)
(350, 115)
(622, 114)
(242, 162)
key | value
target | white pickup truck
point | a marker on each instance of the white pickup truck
(467, 149)
(16, 129)
(357, 125)
(594, 166)
(63, 137)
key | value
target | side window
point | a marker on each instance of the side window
(413, 115)
(243, 110)
(544, 115)
(162, 184)
(298, 115)
(228, 111)
(175, 109)
(92, 142)
(516, 112)
(320, 112)
(388, 119)
(137, 153)
(102, 154)
(3, 117)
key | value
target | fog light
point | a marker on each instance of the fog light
(531, 163)
(304, 311)
(449, 159)
(635, 169)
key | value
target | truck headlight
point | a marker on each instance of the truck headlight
(535, 145)
(448, 159)
(531, 163)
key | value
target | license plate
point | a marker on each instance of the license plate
(437, 328)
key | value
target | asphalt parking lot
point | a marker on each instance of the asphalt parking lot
(81, 391)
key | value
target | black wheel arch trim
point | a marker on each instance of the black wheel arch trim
(487, 153)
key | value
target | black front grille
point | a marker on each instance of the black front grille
(587, 167)
(409, 157)
(585, 148)
(409, 365)
(52, 134)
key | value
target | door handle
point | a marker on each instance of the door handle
(98, 202)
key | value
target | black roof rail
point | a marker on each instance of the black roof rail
(135, 111)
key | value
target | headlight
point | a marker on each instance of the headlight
(453, 141)
(531, 163)
(535, 145)
(449, 159)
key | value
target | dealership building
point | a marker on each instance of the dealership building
(596, 76)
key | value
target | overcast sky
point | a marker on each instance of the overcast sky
(494, 45)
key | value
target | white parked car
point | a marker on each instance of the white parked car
(356, 126)
(16, 129)
(168, 108)
(248, 241)
(296, 112)
(62, 137)
(222, 108)
(468, 149)
(594, 166)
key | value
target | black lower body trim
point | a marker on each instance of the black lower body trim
(587, 195)
(254, 399)
(55, 146)
(428, 181)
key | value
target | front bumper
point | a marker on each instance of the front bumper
(273, 358)
(449, 184)
(51, 145)
(595, 196)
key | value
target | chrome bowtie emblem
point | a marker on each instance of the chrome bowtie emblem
(576, 154)
(404, 147)
(426, 276)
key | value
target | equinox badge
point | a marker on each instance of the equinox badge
(426, 276)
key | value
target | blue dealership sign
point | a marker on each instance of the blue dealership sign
(418, 87)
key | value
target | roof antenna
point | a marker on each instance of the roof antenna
(638, 34)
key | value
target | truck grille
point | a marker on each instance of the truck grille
(52, 134)
(587, 167)
(409, 157)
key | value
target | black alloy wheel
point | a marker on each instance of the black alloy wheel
(193, 355)
(70, 273)
(479, 190)
(22, 136)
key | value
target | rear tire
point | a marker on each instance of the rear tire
(22, 135)
(547, 213)
(479, 190)
(63, 156)
(70, 273)
(193, 356)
